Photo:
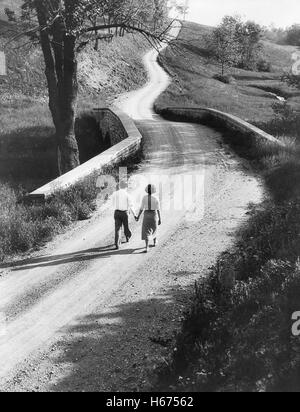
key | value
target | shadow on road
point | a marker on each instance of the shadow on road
(80, 256)
(24, 302)
(117, 348)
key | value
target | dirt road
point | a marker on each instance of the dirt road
(81, 316)
(139, 103)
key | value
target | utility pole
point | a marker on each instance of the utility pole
(186, 8)
(3, 74)
(3, 71)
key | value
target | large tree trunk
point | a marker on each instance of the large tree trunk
(61, 72)
(68, 92)
(67, 147)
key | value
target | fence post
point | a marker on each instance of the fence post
(3, 70)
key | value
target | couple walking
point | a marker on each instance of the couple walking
(150, 207)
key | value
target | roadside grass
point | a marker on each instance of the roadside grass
(194, 84)
(25, 227)
(237, 332)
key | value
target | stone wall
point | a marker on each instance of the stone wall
(111, 127)
(218, 118)
(97, 131)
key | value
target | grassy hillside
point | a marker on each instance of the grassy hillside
(26, 128)
(116, 68)
(194, 84)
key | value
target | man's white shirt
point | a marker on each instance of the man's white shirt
(121, 200)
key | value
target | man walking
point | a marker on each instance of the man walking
(123, 205)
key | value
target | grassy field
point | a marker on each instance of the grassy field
(194, 85)
(237, 333)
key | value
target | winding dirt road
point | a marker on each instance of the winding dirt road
(81, 316)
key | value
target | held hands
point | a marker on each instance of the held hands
(137, 218)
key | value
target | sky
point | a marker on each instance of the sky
(282, 13)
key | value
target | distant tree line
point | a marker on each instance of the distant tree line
(289, 36)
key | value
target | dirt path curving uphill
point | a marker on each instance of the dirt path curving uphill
(81, 316)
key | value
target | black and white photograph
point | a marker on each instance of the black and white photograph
(149, 199)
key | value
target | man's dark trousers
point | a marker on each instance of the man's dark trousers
(122, 219)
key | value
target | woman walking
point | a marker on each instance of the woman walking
(152, 216)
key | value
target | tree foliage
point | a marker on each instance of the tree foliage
(288, 36)
(292, 79)
(275, 34)
(234, 43)
(293, 35)
(249, 35)
(223, 45)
